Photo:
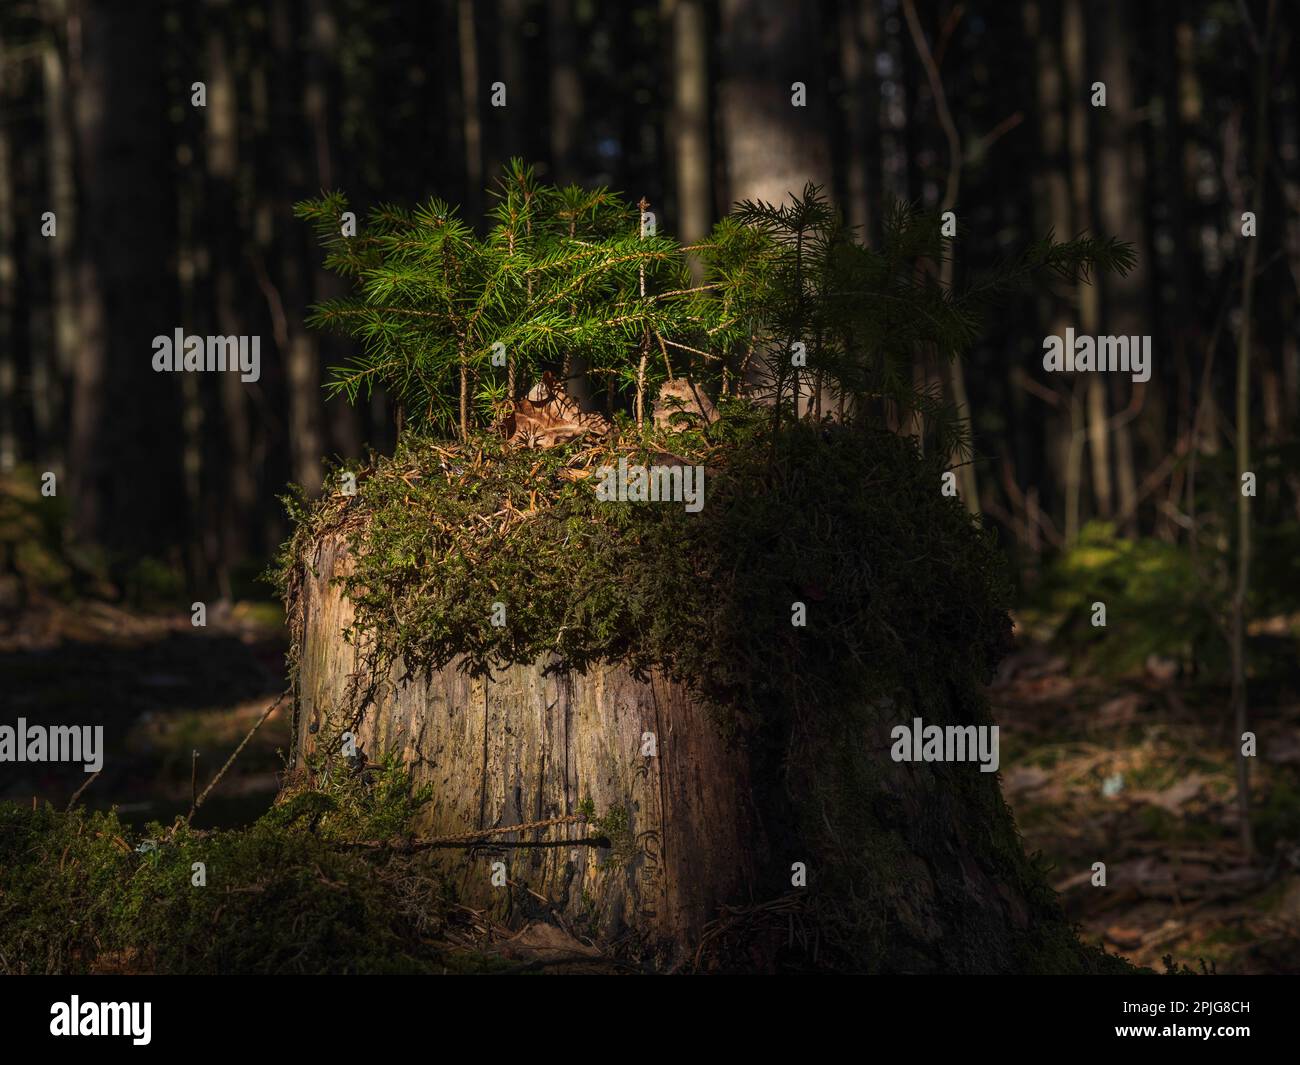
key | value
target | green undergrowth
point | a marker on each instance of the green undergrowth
(1156, 600)
(1166, 599)
(83, 892)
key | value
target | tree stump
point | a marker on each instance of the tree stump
(702, 843)
(680, 835)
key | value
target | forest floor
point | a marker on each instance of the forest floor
(163, 689)
(1137, 773)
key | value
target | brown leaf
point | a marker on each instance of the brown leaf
(551, 419)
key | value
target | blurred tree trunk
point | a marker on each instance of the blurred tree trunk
(1075, 50)
(772, 147)
(122, 457)
(288, 291)
(322, 107)
(859, 33)
(969, 490)
(1263, 60)
(771, 61)
(50, 372)
(202, 555)
(1174, 185)
(1288, 159)
(507, 123)
(8, 277)
(1053, 203)
(912, 138)
(86, 455)
(467, 38)
(1122, 172)
(222, 234)
(690, 127)
(565, 92)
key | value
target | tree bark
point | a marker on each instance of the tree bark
(122, 470)
(467, 37)
(1122, 171)
(969, 489)
(48, 374)
(859, 42)
(222, 142)
(288, 300)
(1240, 694)
(1053, 213)
(565, 93)
(522, 747)
(8, 271)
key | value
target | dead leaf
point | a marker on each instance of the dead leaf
(576, 475)
(1023, 778)
(1161, 669)
(1120, 710)
(1174, 797)
(551, 419)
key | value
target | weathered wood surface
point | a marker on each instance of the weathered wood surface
(523, 746)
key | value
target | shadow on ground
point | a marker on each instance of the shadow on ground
(162, 689)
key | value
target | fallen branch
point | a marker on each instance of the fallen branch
(466, 839)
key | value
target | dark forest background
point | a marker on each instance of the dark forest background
(171, 215)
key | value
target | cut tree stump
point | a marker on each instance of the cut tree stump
(918, 864)
(525, 746)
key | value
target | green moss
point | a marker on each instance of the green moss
(615, 826)
(1277, 817)
(82, 892)
(440, 533)
(1157, 602)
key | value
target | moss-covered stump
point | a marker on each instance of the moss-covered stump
(628, 624)
(674, 835)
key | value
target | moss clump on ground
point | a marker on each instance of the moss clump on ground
(81, 892)
(1158, 601)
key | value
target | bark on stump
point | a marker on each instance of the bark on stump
(525, 746)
